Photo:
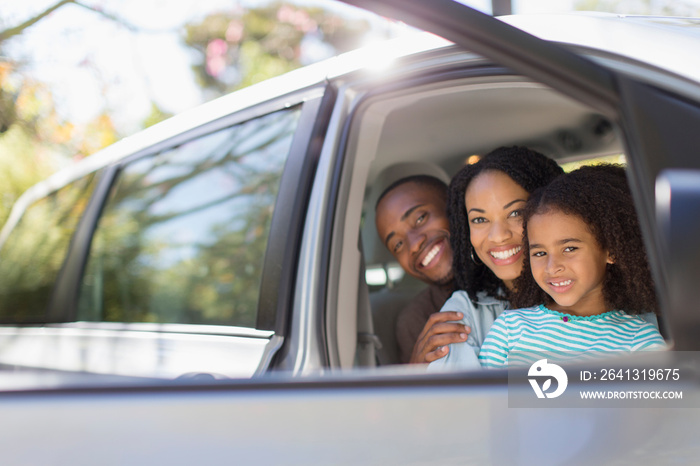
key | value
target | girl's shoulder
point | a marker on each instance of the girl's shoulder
(644, 328)
(636, 320)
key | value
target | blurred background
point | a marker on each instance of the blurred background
(77, 75)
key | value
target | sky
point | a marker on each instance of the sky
(91, 63)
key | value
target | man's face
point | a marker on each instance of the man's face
(412, 223)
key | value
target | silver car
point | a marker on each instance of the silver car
(211, 290)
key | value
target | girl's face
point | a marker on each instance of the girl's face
(567, 262)
(493, 202)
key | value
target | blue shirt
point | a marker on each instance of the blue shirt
(479, 316)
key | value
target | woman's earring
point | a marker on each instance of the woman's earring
(471, 253)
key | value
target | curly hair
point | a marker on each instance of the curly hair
(527, 168)
(600, 196)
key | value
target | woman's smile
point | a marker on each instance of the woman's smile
(506, 256)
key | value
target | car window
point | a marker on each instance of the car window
(184, 232)
(33, 254)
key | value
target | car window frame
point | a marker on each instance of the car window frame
(623, 98)
(272, 310)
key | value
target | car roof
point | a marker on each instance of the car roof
(669, 43)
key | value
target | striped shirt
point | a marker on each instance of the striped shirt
(523, 336)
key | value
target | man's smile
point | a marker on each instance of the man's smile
(433, 254)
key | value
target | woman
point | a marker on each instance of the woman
(486, 236)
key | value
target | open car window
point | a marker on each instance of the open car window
(615, 92)
(183, 235)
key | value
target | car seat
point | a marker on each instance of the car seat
(388, 301)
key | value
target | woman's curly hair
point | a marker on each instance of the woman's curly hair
(527, 168)
(600, 196)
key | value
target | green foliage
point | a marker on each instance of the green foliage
(35, 142)
(249, 46)
(23, 164)
(156, 116)
(239, 49)
(8, 114)
(33, 255)
(136, 271)
(261, 65)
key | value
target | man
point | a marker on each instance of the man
(412, 223)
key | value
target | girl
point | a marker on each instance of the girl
(584, 248)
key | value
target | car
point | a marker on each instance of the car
(212, 290)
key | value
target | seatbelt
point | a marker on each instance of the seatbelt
(367, 341)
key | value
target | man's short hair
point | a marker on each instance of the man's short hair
(423, 180)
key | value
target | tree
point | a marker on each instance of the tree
(232, 49)
(34, 140)
(37, 142)
(242, 47)
(8, 114)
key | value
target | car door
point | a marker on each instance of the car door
(178, 259)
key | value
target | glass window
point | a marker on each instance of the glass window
(183, 236)
(33, 254)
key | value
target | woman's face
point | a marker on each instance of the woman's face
(493, 203)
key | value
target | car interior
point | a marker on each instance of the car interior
(434, 129)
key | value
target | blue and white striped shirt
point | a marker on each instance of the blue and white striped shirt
(523, 336)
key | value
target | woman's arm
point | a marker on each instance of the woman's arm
(460, 355)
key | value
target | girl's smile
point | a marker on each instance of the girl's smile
(561, 286)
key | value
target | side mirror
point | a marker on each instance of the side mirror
(678, 220)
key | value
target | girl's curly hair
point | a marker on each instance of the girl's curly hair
(600, 196)
(527, 168)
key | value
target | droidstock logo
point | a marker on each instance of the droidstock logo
(542, 369)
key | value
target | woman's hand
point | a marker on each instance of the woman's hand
(441, 329)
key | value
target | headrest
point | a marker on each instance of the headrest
(375, 251)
